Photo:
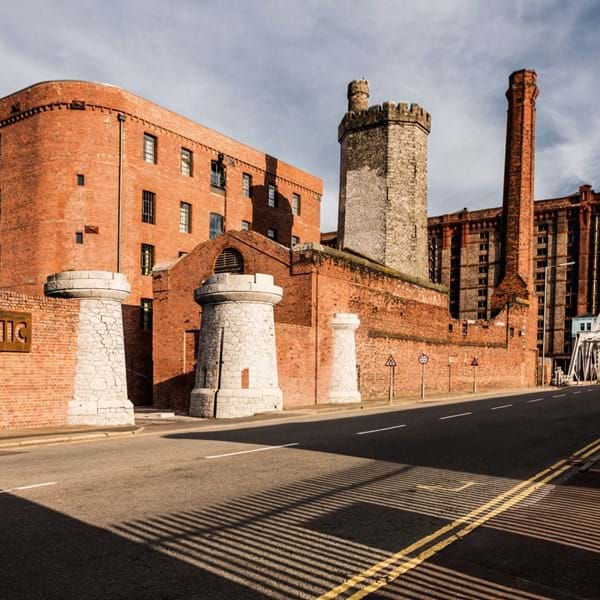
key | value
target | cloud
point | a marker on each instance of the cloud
(273, 74)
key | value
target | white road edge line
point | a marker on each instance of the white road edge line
(378, 430)
(558, 395)
(499, 407)
(454, 416)
(28, 487)
(577, 392)
(534, 400)
(253, 450)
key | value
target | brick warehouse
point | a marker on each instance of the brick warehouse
(400, 312)
(95, 177)
(383, 153)
(464, 256)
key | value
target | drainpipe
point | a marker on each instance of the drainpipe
(121, 118)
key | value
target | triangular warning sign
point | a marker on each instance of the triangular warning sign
(474, 362)
(390, 362)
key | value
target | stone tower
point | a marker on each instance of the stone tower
(516, 276)
(236, 372)
(383, 182)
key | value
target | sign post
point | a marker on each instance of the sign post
(391, 363)
(474, 364)
(423, 360)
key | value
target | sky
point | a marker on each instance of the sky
(273, 74)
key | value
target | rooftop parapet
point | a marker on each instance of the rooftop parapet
(384, 113)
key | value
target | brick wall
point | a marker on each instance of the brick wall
(47, 140)
(36, 386)
(398, 316)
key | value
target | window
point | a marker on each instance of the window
(541, 264)
(541, 252)
(272, 233)
(295, 204)
(542, 226)
(484, 235)
(147, 259)
(483, 258)
(216, 226)
(272, 196)
(149, 148)
(484, 246)
(185, 217)
(217, 175)
(146, 314)
(295, 241)
(481, 314)
(186, 162)
(80, 179)
(539, 287)
(482, 304)
(482, 292)
(247, 185)
(483, 269)
(229, 261)
(148, 203)
(79, 237)
(465, 328)
(542, 239)
(246, 225)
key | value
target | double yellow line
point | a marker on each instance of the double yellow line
(392, 567)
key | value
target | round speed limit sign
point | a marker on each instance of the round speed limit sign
(423, 359)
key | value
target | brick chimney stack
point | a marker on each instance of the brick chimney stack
(516, 277)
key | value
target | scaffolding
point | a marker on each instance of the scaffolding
(585, 360)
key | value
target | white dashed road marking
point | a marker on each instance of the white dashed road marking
(378, 430)
(28, 487)
(534, 400)
(499, 407)
(253, 450)
(558, 395)
(454, 416)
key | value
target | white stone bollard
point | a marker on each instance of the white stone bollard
(100, 388)
(343, 386)
(236, 372)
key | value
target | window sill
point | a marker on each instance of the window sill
(217, 190)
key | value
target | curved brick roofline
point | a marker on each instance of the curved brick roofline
(219, 143)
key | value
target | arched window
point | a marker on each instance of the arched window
(229, 261)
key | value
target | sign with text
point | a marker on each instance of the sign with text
(15, 332)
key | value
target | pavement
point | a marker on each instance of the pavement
(490, 498)
(156, 421)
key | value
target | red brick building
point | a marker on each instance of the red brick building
(465, 256)
(95, 177)
(399, 315)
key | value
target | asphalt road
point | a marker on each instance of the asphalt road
(481, 499)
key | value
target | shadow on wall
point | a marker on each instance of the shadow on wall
(46, 554)
(265, 217)
(138, 357)
(174, 393)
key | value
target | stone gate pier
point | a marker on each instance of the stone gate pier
(344, 384)
(236, 372)
(100, 388)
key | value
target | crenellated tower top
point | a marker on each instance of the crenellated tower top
(362, 116)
